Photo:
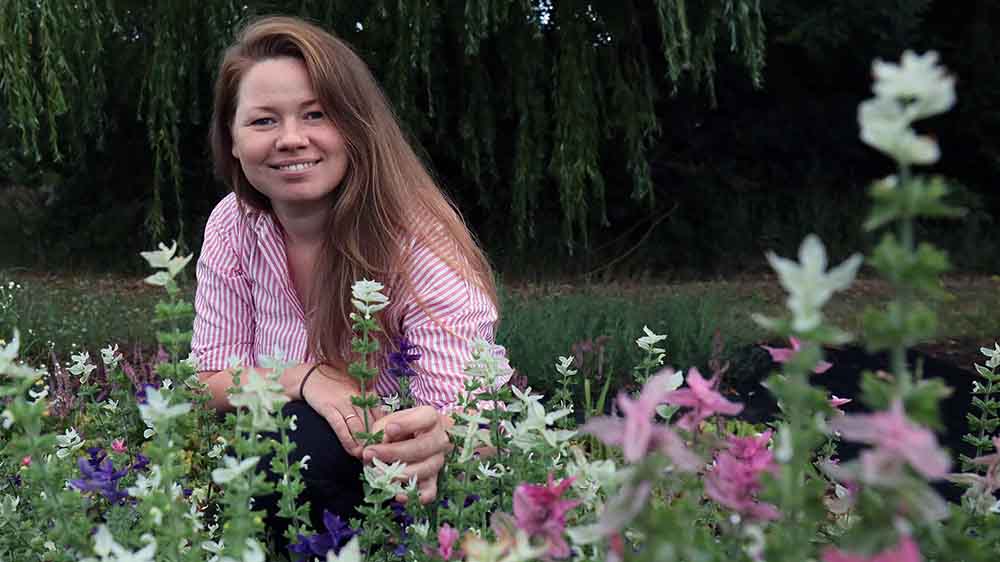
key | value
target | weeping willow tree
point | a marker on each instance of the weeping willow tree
(515, 101)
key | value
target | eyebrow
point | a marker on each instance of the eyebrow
(306, 103)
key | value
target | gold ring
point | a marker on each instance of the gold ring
(350, 416)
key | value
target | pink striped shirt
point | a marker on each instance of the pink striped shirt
(247, 308)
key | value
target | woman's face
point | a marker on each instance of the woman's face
(289, 149)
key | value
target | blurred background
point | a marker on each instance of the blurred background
(597, 140)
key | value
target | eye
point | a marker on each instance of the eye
(262, 122)
(315, 115)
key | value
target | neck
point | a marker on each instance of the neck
(302, 226)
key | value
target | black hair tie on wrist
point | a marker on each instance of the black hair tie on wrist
(302, 385)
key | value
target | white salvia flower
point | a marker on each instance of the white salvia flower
(167, 384)
(562, 366)
(36, 396)
(49, 545)
(926, 88)
(488, 363)
(884, 126)
(8, 353)
(368, 298)
(8, 418)
(993, 354)
(916, 89)
(252, 553)
(391, 403)
(214, 548)
(471, 434)
(150, 431)
(111, 357)
(263, 396)
(385, 477)
(524, 399)
(648, 342)
(486, 471)
(304, 462)
(808, 284)
(194, 516)
(145, 485)
(110, 551)
(420, 529)
(995, 508)
(157, 408)
(350, 552)
(232, 469)
(164, 259)
(68, 442)
(110, 405)
(81, 367)
(218, 448)
(157, 515)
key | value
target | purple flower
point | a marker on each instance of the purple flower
(336, 536)
(101, 478)
(400, 362)
(139, 465)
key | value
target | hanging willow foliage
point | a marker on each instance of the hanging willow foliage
(515, 99)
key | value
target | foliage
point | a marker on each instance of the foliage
(584, 70)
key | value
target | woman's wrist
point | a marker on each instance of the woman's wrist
(311, 371)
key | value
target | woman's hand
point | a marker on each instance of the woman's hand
(329, 392)
(418, 437)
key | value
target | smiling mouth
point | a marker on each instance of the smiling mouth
(298, 167)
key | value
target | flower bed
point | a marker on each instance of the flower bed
(119, 461)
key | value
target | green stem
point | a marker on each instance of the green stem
(903, 295)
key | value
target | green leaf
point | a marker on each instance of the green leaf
(898, 325)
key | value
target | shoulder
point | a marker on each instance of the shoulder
(438, 282)
(229, 224)
(227, 215)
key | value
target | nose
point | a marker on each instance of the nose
(291, 137)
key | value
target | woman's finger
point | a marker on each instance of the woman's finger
(413, 450)
(343, 431)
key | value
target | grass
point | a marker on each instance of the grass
(539, 323)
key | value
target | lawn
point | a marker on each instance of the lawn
(66, 313)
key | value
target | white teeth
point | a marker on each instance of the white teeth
(297, 167)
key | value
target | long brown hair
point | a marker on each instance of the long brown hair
(387, 198)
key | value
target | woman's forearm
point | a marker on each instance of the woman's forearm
(219, 382)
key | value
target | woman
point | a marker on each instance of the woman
(327, 191)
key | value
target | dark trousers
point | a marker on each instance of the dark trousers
(332, 479)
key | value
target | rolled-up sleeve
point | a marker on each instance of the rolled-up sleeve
(224, 314)
(452, 312)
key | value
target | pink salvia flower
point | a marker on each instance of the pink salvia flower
(539, 510)
(702, 398)
(735, 479)
(836, 402)
(446, 541)
(905, 551)
(896, 439)
(118, 446)
(637, 433)
(26, 461)
(785, 354)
